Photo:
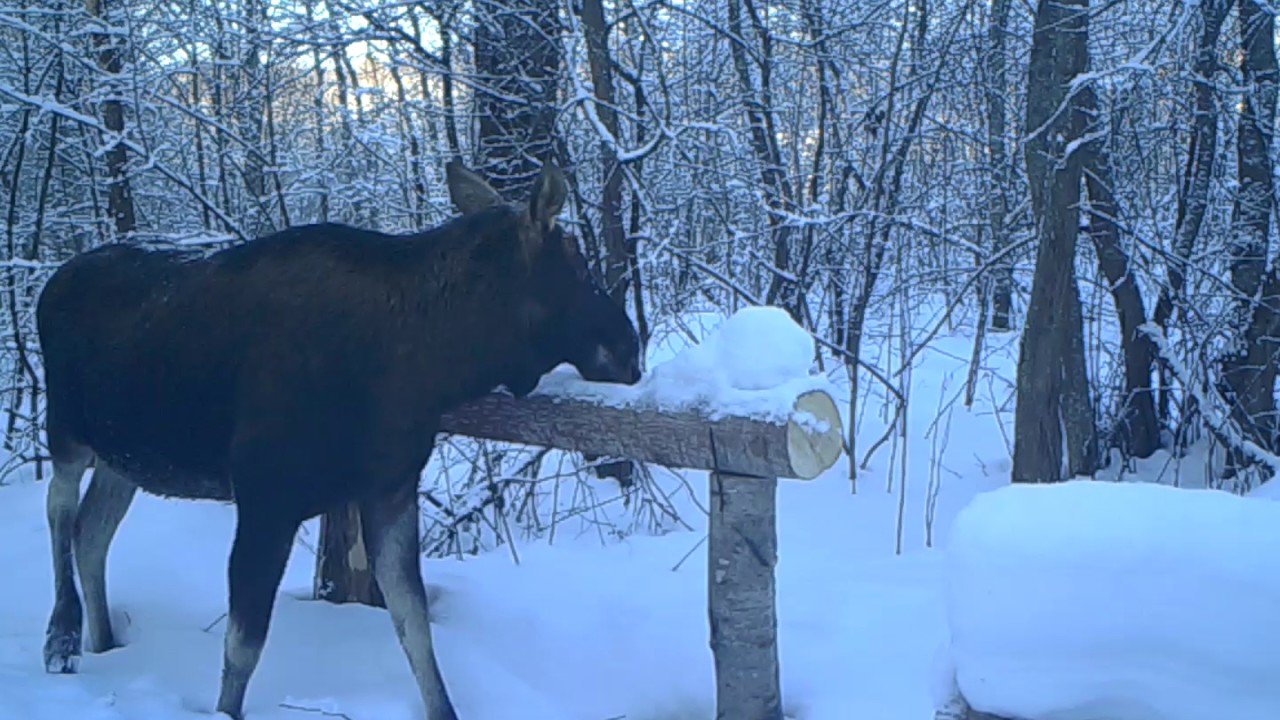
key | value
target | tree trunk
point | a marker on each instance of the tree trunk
(343, 573)
(885, 192)
(616, 258)
(1193, 196)
(1250, 372)
(619, 257)
(249, 116)
(1193, 199)
(1138, 431)
(517, 56)
(111, 60)
(1001, 166)
(318, 112)
(1053, 407)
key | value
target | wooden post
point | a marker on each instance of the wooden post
(746, 456)
(742, 549)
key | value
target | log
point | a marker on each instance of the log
(801, 446)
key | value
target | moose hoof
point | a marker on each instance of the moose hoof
(62, 654)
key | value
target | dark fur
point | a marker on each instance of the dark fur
(297, 373)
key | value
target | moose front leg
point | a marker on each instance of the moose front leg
(390, 526)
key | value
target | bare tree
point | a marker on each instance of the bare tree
(111, 49)
(518, 63)
(1001, 164)
(1137, 429)
(1053, 407)
(1249, 368)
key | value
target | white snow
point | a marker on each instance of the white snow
(761, 347)
(576, 631)
(755, 364)
(1124, 601)
(1266, 491)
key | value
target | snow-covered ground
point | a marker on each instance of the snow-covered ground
(585, 630)
(1128, 601)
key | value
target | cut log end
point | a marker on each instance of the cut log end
(815, 435)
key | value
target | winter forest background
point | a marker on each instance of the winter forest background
(1098, 178)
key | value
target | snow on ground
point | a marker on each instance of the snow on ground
(583, 630)
(574, 632)
(1124, 601)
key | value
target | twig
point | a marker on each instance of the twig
(317, 711)
(696, 545)
(210, 626)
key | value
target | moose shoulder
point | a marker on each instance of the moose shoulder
(294, 374)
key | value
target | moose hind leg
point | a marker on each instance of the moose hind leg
(259, 554)
(390, 527)
(105, 503)
(63, 636)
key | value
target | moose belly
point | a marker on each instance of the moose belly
(179, 457)
(157, 475)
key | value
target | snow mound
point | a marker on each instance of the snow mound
(1269, 490)
(1125, 601)
(755, 363)
(760, 348)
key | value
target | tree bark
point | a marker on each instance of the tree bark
(1250, 372)
(343, 572)
(619, 255)
(517, 56)
(616, 257)
(111, 61)
(1138, 431)
(1001, 165)
(249, 118)
(1193, 199)
(1053, 407)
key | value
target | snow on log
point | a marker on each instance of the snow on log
(801, 444)
(741, 402)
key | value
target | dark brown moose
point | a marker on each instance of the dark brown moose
(292, 375)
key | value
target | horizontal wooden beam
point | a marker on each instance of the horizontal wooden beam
(801, 446)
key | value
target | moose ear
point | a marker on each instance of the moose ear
(468, 191)
(549, 194)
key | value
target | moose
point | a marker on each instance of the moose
(294, 374)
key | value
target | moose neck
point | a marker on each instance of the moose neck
(474, 270)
